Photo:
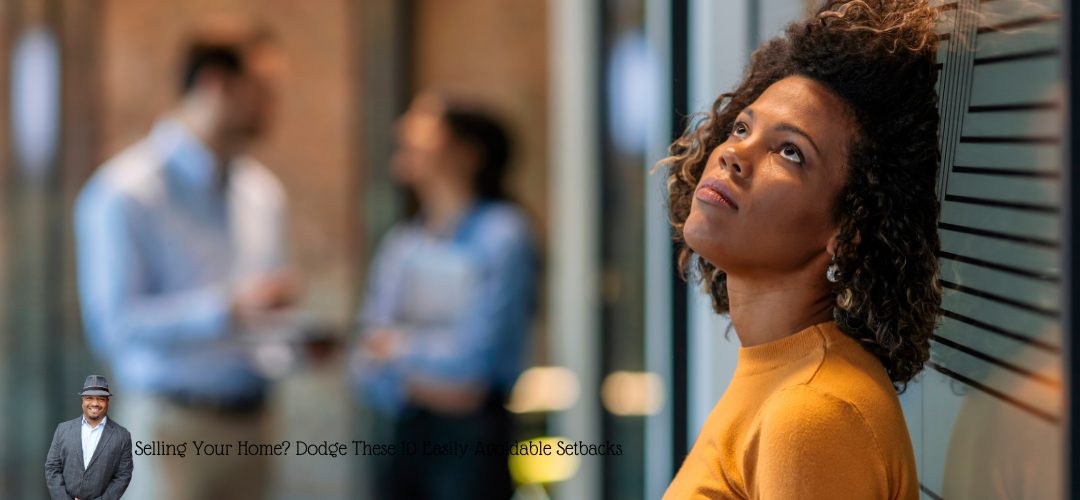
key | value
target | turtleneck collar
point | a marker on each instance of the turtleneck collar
(784, 351)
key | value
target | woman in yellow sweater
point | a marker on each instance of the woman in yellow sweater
(805, 203)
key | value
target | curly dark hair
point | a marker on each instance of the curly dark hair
(878, 56)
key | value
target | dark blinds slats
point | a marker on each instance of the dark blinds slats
(1036, 412)
(989, 202)
(1015, 368)
(1026, 22)
(1042, 174)
(995, 329)
(1051, 313)
(1053, 278)
(1031, 106)
(999, 235)
(928, 492)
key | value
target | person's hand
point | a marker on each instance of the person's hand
(263, 294)
(383, 344)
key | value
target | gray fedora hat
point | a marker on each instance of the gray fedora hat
(95, 385)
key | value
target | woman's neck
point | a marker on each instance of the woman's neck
(442, 205)
(764, 310)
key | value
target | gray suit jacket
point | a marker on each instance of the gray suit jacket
(109, 471)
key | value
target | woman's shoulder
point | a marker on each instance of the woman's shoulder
(851, 373)
(825, 445)
(809, 408)
(803, 422)
(841, 405)
(503, 215)
(499, 224)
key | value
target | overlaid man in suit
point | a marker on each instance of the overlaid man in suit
(90, 456)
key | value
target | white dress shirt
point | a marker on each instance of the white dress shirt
(90, 438)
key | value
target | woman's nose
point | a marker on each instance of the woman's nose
(731, 160)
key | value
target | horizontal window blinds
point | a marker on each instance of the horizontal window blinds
(989, 419)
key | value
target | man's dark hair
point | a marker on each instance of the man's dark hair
(223, 52)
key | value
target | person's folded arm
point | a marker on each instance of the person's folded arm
(376, 380)
(464, 352)
(382, 293)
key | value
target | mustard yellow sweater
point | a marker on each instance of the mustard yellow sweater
(809, 416)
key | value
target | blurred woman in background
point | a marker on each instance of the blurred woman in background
(449, 305)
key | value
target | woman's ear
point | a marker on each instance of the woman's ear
(831, 245)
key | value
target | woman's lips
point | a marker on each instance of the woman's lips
(714, 193)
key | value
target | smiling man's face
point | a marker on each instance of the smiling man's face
(95, 408)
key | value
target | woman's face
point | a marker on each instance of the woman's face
(426, 151)
(763, 205)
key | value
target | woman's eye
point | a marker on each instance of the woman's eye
(791, 153)
(739, 130)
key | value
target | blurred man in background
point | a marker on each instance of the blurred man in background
(180, 242)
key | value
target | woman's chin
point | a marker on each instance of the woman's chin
(701, 238)
(708, 252)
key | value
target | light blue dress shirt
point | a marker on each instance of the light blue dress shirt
(90, 438)
(162, 238)
(464, 304)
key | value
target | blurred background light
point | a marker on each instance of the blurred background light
(543, 469)
(627, 393)
(544, 388)
(35, 101)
